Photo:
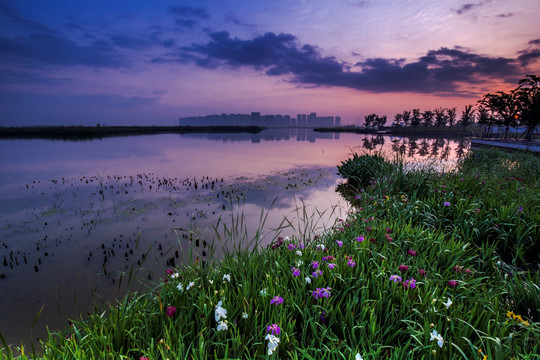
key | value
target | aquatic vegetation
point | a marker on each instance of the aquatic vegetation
(440, 288)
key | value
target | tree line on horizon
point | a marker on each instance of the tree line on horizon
(519, 107)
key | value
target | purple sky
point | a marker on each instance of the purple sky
(150, 62)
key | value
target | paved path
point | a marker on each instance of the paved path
(533, 146)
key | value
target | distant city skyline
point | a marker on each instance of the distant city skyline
(256, 119)
(147, 63)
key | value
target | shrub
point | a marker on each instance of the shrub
(360, 170)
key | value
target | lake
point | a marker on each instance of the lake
(79, 220)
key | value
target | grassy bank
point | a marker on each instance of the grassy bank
(96, 132)
(434, 266)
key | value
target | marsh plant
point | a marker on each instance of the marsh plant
(427, 266)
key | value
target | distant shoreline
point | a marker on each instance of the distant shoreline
(96, 132)
(408, 131)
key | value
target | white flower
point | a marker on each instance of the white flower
(220, 312)
(299, 263)
(448, 303)
(298, 252)
(180, 287)
(175, 276)
(191, 283)
(287, 238)
(227, 277)
(320, 247)
(358, 356)
(244, 315)
(211, 281)
(308, 279)
(264, 292)
(222, 325)
(436, 336)
(273, 343)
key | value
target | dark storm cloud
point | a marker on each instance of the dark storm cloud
(466, 8)
(188, 11)
(14, 16)
(24, 77)
(530, 55)
(439, 71)
(187, 23)
(169, 43)
(43, 48)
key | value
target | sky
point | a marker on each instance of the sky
(149, 62)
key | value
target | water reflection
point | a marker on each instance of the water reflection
(75, 215)
(419, 147)
(273, 134)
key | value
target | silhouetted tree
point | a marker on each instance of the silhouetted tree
(485, 118)
(503, 106)
(451, 116)
(528, 97)
(406, 117)
(369, 120)
(440, 117)
(398, 118)
(427, 118)
(467, 116)
(381, 120)
(416, 117)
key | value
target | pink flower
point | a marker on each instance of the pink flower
(316, 273)
(351, 263)
(315, 264)
(388, 230)
(395, 278)
(452, 283)
(278, 243)
(446, 203)
(291, 247)
(276, 300)
(372, 240)
(331, 265)
(322, 292)
(360, 238)
(339, 242)
(295, 271)
(144, 358)
(169, 271)
(274, 329)
(422, 272)
(411, 283)
(412, 252)
(170, 311)
(403, 268)
(368, 229)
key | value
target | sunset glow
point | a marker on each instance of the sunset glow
(151, 62)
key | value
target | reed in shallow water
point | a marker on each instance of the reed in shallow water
(427, 266)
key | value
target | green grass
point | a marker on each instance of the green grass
(479, 250)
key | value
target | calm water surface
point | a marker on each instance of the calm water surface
(76, 217)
